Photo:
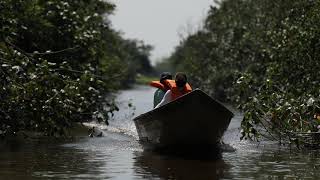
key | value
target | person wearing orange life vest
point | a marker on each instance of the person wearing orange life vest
(178, 87)
(161, 86)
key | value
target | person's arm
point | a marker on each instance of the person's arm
(166, 99)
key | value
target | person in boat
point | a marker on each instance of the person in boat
(178, 87)
(161, 86)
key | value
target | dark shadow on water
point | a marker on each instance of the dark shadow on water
(203, 152)
(196, 152)
(200, 164)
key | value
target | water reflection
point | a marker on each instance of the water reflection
(151, 165)
(118, 155)
(43, 159)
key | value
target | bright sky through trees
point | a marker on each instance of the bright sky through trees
(159, 22)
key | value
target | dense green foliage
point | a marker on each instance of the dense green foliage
(59, 62)
(136, 55)
(262, 55)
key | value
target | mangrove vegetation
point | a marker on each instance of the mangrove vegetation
(59, 63)
(264, 57)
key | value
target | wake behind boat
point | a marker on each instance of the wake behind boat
(194, 120)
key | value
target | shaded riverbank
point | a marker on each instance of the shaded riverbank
(118, 155)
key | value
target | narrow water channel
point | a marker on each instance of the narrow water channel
(118, 155)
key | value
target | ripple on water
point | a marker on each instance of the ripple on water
(118, 155)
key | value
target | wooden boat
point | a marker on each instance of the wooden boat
(192, 121)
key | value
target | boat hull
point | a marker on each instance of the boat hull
(193, 120)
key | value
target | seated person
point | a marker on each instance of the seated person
(162, 87)
(178, 87)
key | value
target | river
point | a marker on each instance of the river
(118, 155)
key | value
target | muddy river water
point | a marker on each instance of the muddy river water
(118, 155)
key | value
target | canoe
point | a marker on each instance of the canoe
(193, 121)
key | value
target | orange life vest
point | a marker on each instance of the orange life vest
(175, 92)
(159, 85)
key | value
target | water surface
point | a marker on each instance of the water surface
(118, 155)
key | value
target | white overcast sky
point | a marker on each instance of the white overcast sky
(159, 22)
